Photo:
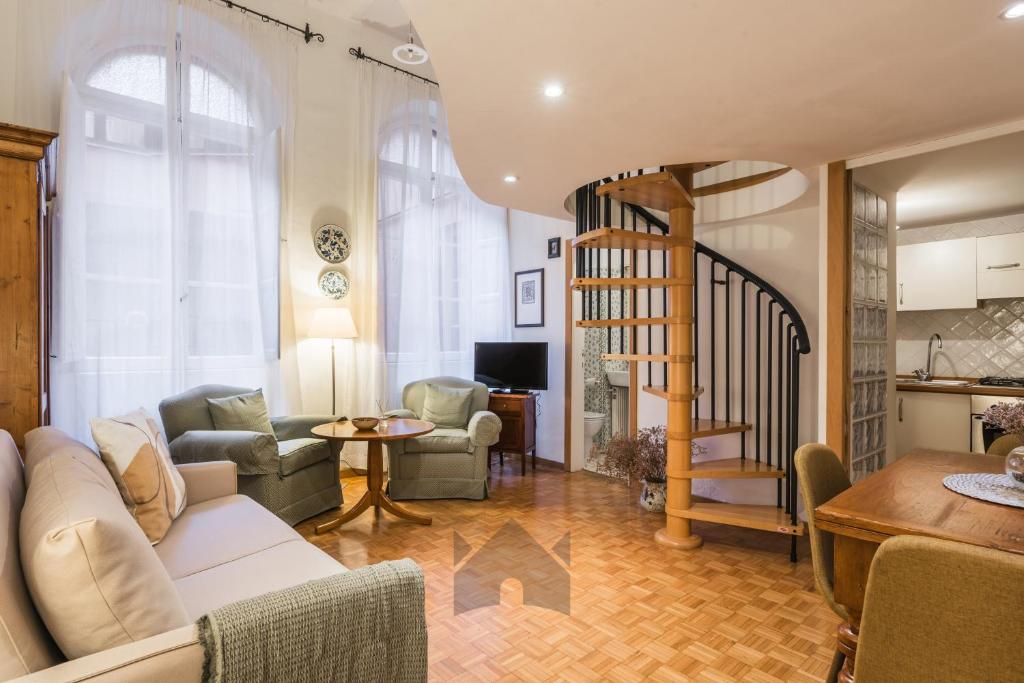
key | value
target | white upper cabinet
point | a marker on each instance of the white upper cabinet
(937, 275)
(1001, 266)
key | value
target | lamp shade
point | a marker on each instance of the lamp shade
(332, 323)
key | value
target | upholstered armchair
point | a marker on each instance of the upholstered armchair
(290, 473)
(451, 461)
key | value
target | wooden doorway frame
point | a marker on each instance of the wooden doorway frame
(838, 192)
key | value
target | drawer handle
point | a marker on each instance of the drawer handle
(1003, 266)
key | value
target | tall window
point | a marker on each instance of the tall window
(167, 264)
(444, 253)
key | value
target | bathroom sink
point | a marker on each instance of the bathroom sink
(618, 378)
(935, 382)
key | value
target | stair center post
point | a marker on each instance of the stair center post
(677, 532)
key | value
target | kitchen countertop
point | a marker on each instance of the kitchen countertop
(971, 389)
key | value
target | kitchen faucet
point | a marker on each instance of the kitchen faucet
(926, 374)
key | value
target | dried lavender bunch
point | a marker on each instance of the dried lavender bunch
(1007, 416)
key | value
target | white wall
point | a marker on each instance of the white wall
(326, 106)
(528, 241)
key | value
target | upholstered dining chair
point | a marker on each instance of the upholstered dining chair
(1004, 444)
(821, 477)
(451, 461)
(938, 610)
(289, 472)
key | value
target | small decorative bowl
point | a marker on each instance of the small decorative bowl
(364, 423)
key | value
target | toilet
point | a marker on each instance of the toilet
(592, 424)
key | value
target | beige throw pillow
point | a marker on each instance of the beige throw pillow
(94, 578)
(136, 454)
(447, 406)
(245, 412)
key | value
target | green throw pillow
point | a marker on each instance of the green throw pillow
(447, 406)
(245, 412)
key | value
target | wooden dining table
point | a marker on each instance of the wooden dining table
(907, 497)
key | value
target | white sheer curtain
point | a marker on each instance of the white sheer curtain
(175, 118)
(442, 252)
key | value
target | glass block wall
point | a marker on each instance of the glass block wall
(868, 362)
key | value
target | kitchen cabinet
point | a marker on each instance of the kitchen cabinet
(937, 275)
(1001, 266)
(932, 420)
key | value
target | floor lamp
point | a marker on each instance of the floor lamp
(333, 324)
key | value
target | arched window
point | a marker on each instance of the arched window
(167, 263)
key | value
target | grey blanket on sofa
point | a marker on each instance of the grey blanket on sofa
(364, 625)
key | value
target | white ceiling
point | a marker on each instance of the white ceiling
(977, 180)
(648, 82)
(387, 16)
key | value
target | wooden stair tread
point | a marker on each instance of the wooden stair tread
(647, 357)
(733, 468)
(660, 191)
(617, 238)
(739, 183)
(762, 517)
(580, 283)
(662, 390)
(633, 322)
(704, 427)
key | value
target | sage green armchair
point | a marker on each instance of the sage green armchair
(289, 472)
(448, 462)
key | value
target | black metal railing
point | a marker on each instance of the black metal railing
(747, 336)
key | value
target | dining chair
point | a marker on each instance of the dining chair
(821, 477)
(1004, 444)
(938, 610)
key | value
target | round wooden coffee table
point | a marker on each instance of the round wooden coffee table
(397, 428)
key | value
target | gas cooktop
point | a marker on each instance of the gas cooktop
(1002, 381)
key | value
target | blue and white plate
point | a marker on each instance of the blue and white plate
(332, 243)
(334, 284)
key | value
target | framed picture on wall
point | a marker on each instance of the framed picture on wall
(555, 247)
(529, 292)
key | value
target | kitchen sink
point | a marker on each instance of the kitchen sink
(936, 382)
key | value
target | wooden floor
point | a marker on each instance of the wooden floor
(734, 610)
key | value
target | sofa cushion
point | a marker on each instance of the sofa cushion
(245, 412)
(25, 646)
(297, 454)
(280, 566)
(447, 406)
(440, 441)
(219, 531)
(136, 455)
(91, 571)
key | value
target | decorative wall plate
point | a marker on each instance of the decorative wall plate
(332, 243)
(334, 284)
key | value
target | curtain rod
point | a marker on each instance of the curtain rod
(358, 53)
(307, 33)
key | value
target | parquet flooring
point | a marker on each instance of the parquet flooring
(733, 610)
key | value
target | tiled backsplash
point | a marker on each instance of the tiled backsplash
(988, 340)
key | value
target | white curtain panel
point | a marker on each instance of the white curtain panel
(443, 277)
(171, 201)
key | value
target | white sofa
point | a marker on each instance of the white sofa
(224, 547)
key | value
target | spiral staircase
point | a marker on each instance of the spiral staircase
(737, 378)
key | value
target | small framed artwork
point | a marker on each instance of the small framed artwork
(530, 298)
(554, 247)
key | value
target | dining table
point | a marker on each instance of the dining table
(908, 497)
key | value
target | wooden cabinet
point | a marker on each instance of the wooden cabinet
(932, 420)
(937, 275)
(518, 414)
(1001, 266)
(25, 178)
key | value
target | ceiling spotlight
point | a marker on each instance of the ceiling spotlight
(897, 227)
(1014, 11)
(511, 179)
(410, 53)
(554, 90)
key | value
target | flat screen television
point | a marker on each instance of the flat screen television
(513, 366)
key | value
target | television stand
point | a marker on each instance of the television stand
(518, 415)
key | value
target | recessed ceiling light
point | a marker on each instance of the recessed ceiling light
(511, 179)
(1014, 11)
(897, 227)
(554, 90)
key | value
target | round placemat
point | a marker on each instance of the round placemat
(995, 488)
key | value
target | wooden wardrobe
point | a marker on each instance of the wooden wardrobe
(27, 174)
